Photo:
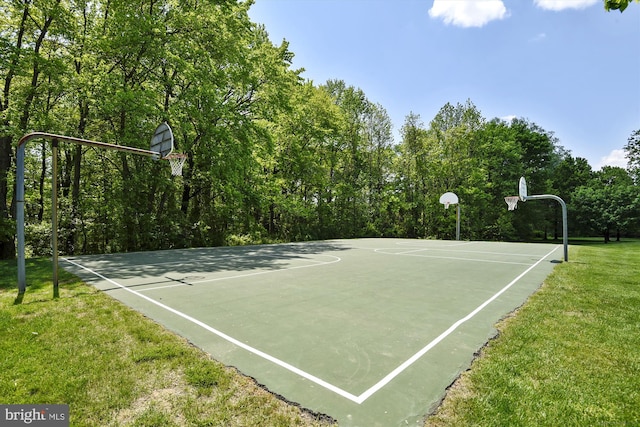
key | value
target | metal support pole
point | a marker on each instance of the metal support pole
(458, 221)
(54, 214)
(565, 233)
(22, 280)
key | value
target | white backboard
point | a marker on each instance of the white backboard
(449, 198)
(522, 188)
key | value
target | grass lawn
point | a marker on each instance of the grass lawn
(571, 355)
(114, 367)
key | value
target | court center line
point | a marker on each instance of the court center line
(384, 381)
(357, 399)
(462, 244)
(226, 337)
(450, 245)
(409, 253)
(483, 252)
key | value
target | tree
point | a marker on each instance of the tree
(632, 153)
(296, 190)
(454, 153)
(379, 165)
(349, 174)
(610, 203)
(500, 163)
(620, 5)
(29, 65)
(540, 155)
(570, 174)
(412, 178)
(111, 71)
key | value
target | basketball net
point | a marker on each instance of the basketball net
(176, 160)
(512, 202)
(446, 205)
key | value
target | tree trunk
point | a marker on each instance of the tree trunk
(43, 176)
(7, 233)
(75, 200)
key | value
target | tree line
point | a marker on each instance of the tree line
(270, 156)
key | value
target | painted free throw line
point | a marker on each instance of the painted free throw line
(357, 399)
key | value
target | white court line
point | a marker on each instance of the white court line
(257, 273)
(364, 396)
(212, 259)
(462, 244)
(356, 399)
(450, 245)
(411, 253)
(403, 252)
(487, 253)
(226, 337)
(437, 248)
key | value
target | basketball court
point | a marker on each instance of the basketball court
(367, 331)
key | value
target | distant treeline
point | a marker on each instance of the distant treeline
(271, 157)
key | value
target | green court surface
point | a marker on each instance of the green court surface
(367, 331)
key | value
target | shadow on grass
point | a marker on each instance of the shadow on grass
(39, 278)
(39, 273)
(588, 241)
(599, 241)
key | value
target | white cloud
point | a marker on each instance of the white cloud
(557, 5)
(509, 118)
(468, 13)
(614, 158)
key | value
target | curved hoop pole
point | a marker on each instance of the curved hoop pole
(81, 141)
(22, 281)
(565, 236)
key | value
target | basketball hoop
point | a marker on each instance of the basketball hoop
(176, 160)
(512, 202)
(449, 198)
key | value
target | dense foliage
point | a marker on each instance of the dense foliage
(271, 157)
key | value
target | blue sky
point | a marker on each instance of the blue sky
(566, 65)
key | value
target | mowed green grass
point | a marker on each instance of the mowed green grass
(114, 367)
(569, 357)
